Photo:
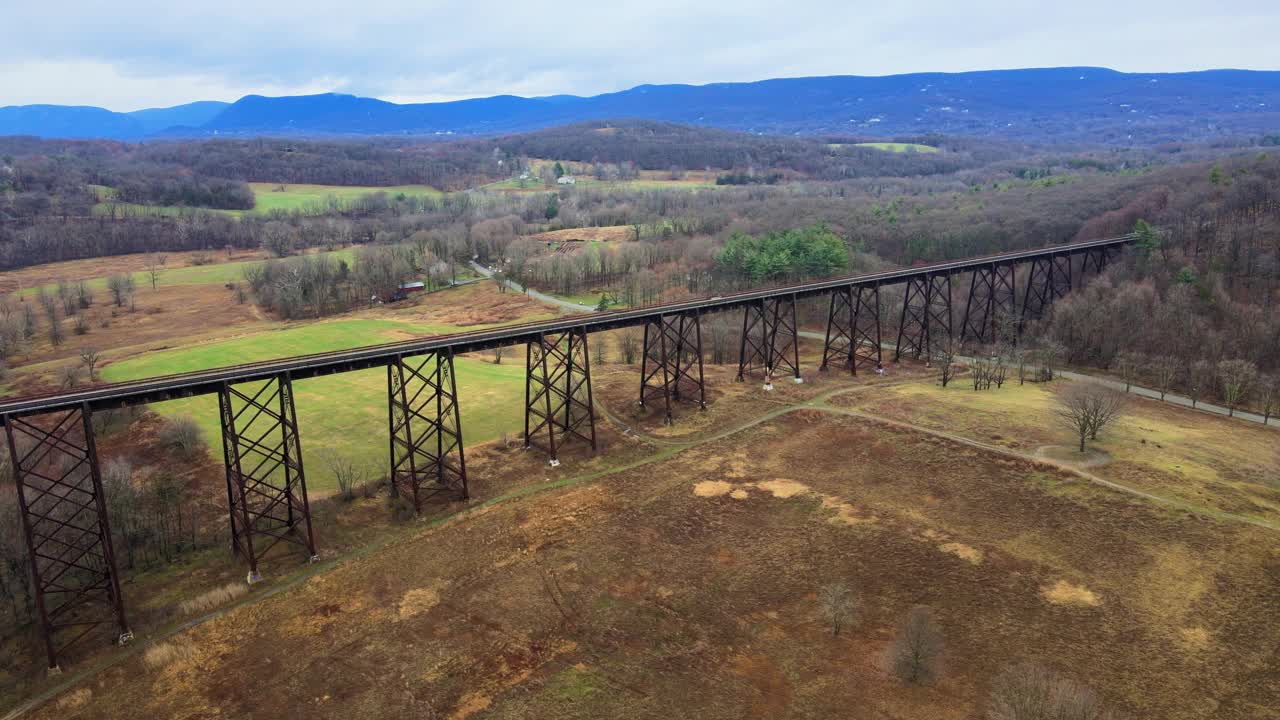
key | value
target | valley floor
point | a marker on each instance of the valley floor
(676, 573)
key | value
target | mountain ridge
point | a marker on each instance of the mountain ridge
(1043, 104)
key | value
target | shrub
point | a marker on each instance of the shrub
(346, 473)
(1031, 692)
(182, 433)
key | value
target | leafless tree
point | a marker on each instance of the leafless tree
(182, 433)
(155, 267)
(89, 358)
(1127, 364)
(1029, 691)
(70, 376)
(121, 287)
(943, 357)
(499, 353)
(837, 605)
(1236, 377)
(1088, 407)
(1199, 380)
(629, 344)
(916, 653)
(346, 473)
(1164, 368)
(1021, 357)
(1268, 385)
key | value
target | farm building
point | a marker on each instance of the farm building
(566, 180)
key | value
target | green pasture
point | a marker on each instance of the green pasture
(342, 414)
(315, 198)
(303, 198)
(217, 273)
(898, 147)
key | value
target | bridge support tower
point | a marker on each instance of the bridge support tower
(266, 484)
(557, 392)
(427, 457)
(926, 316)
(672, 349)
(66, 528)
(853, 329)
(769, 340)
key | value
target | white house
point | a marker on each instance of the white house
(566, 180)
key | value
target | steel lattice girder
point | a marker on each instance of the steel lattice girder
(425, 428)
(557, 390)
(65, 525)
(672, 344)
(1098, 258)
(926, 311)
(1049, 279)
(853, 328)
(769, 340)
(266, 484)
(992, 304)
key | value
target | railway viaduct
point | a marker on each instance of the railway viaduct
(51, 441)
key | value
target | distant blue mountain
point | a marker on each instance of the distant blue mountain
(1054, 104)
(65, 121)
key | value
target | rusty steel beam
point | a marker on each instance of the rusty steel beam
(557, 391)
(991, 308)
(66, 528)
(672, 344)
(769, 339)
(853, 329)
(266, 483)
(1049, 280)
(427, 458)
(926, 315)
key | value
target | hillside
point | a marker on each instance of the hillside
(1057, 104)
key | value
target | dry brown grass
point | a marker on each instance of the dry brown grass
(214, 598)
(162, 655)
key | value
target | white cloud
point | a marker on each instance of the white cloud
(133, 53)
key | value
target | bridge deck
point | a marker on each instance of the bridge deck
(203, 382)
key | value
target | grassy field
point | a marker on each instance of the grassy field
(311, 199)
(1194, 459)
(303, 198)
(345, 414)
(216, 274)
(891, 146)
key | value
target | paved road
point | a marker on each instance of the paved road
(543, 297)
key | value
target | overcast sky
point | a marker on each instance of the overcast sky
(131, 54)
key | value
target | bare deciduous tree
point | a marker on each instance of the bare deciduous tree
(629, 344)
(121, 287)
(837, 605)
(1127, 364)
(346, 473)
(499, 353)
(1032, 692)
(1199, 380)
(155, 267)
(1088, 407)
(1164, 368)
(89, 358)
(943, 357)
(1236, 377)
(916, 653)
(1267, 392)
(599, 348)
